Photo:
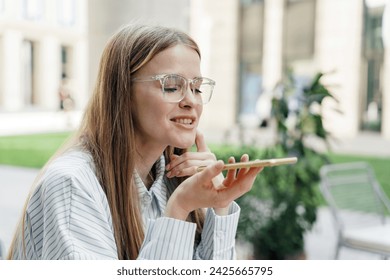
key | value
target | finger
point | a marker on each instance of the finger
(255, 171)
(211, 171)
(244, 158)
(187, 168)
(176, 161)
(200, 142)
(172, 158)
(240, 186)
(231, 174)
(252, 173)
(190, 159)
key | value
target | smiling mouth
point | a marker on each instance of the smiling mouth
(183, 121)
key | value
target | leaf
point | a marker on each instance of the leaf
(316, 81)
(317, 97)
(280, 108)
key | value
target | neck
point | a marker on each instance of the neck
(144, 166)
(146, 172)
(149, 179)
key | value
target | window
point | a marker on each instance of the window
(248, 3)
(67, 54)
(299, 29)
(27, 72)
(33, 10)
(66, 12)
(251, 47)
(373, 30)
(373, 54)
(251, 33)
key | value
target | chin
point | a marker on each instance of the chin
(185, 143)
(185, 146)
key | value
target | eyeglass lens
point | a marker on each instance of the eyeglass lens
(175, 87)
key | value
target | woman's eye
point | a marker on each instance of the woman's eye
(197, 90)
(171, 89)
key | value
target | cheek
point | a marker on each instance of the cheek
(199, 110)
(155, 114)
(143, 114)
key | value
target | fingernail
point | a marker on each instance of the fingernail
(173, 156)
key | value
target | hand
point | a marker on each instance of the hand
(187, 163)
(198, 191)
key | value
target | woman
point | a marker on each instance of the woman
(128, 188)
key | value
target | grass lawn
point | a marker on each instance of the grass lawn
(30, 150)
(35, 150)
(381, 166)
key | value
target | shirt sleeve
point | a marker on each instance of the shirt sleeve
(168, 239)
(69, 220)
(218, 235)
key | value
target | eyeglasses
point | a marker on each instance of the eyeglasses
(174, 87)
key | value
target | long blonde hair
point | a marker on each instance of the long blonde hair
(108, 129)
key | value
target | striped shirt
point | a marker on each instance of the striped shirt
(68, 217)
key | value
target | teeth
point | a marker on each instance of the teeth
(184, 121)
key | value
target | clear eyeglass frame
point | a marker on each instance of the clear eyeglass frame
(174, 87)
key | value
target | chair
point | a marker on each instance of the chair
(359, 207)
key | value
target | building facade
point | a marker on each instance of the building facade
(247, 47)
(41, 43)
(252, 43)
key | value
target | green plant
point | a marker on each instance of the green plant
(282, 205)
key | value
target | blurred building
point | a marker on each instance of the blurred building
(250, 44)
(247, 47)
(42, 42)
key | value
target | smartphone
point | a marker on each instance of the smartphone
(256, 163)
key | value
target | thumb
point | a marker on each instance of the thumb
(200, 142)
(211, 171)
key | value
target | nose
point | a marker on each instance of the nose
(189, 98)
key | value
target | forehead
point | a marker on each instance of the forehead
(179, 59)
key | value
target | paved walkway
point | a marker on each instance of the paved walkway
(15, 183)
